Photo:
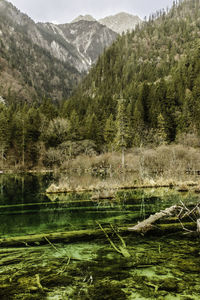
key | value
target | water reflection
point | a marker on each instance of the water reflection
(26, 209)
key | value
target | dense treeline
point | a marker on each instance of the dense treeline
(37, 135)
(145, 89)
(155, 69)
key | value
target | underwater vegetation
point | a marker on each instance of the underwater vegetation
(164, 267)
(159, 266)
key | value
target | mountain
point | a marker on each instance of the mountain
(79, 43)
(121, 22)
(144, 90)
(83, 18)
(28, 70)
(45, 59)
(151, 77)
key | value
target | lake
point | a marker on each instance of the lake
(160, 266)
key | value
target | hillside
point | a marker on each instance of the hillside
(153, 70)
(43, 59)
(79, 43)
(143, 91)
(28, 71)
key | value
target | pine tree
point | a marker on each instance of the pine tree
(122, 134)
(4, 132)
(32, 134)
(138, 124)
(75, 126)
(161, 136)
(109, 131)
(92, 128)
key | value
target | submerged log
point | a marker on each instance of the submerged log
(68, 236)
(74, 236)
(146, 225)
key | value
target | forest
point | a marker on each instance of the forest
(144, 91)
(99, 191)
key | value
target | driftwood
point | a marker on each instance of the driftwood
(146, 225)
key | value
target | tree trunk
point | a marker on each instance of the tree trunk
(146, 225)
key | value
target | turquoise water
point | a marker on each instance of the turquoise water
(26, 209)
(159, 267)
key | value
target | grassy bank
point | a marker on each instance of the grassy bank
(167, 165)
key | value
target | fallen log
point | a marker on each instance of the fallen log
(57, 190)
(90, 234)
(146, 225)
(68, 236)
(198, 225)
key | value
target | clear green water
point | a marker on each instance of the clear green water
(26, 209)
(160, 267)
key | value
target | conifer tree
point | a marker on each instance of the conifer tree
(75, 126)
(109, 131)
(4, 132)
(91, 127)
(138, 124)
(161, 131)
(122, 134)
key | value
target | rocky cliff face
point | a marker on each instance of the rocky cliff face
(79, 43)
(119, 23)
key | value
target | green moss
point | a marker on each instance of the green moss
(106, 291)
(169, 285)
(55, 280)
(188, 266)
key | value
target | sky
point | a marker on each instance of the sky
(64, 11)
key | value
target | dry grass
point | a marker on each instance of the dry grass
(167, 165)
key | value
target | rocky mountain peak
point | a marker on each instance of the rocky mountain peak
(84, 18)
(121, 22)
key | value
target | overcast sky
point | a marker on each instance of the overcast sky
(64, 11)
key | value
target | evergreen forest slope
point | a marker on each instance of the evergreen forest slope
(155, 71)
(144, 90)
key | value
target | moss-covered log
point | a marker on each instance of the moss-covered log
(67, 236)
(90, 234)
